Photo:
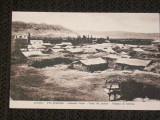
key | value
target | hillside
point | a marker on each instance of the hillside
(41, 30)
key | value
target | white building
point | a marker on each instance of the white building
(65, 44)
(23, 36)
(36, 42)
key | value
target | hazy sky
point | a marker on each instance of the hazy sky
(132, 22)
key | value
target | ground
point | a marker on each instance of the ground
(63, 84)
(55, 83)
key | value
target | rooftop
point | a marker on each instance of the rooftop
(69, 46)
(37, 40)
(64, 43)
(57, 50)
(113, 56)
(94, 61)
(47, 44)
(123, 53)
(133, 62)
(76, 50)
(30, 53)
(138, 49)
(35, 46)
(20, 34)
(89, 50)
(132, 46)
(57, 47)
(126, 56)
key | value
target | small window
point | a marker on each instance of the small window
(20, 36)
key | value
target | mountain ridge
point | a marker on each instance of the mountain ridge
(52, 31)
(42, 29)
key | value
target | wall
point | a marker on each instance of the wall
(127, 67)
(20, 43)
(100, 67)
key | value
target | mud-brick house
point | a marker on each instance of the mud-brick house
(94, 64)
(131, 64)
(64, 44)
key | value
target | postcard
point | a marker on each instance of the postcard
(85, 60)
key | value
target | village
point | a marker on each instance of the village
(108, 68)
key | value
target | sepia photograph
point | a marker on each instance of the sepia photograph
(84, 59)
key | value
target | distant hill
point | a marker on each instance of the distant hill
(120, 34)
(41, 30)
(54, 31)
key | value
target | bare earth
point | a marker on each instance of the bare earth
(63, 84)
(56, 83)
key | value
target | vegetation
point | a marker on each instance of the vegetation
(81, 41)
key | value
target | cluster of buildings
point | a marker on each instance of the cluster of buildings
(118, 56)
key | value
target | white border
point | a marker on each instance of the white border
(85, 105)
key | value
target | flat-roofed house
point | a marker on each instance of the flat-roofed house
(90, 50)
(75, 50)
(57, 47)
(68, 47)
(94, 64)
(138, 49)
(131, 64)
(47, 44)
(156, 41)
(57, 50)
(36, 42)
(64, 44)
(32, 53)
(132, 46)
